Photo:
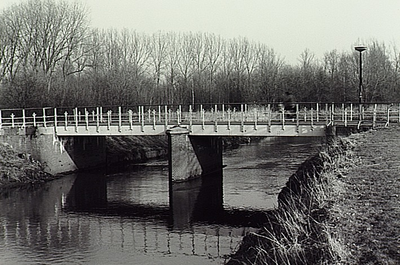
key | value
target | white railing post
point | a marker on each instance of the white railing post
(374, 117)
(23, 118)
(119, 119)
(98, 119)
(242, 118)
(283, 119)
(317, 112)
(312, 118)
(66, 120)
(44, 118)
(130, 115)
(154, 119)
(190, 118)
(297, 118)
(76, 120)
(343, 111)
(345, 116)
(142, 124)
(12, 120)
(55, 120)
(87, 119)
(351, 111)
(255, 119)
(388, 117)
(109, 113)
(166, 116)
(1, 120)
(159, 113)
(34, 119)
(202, 119)
(229, 119)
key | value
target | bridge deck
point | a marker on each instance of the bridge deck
(251, 120)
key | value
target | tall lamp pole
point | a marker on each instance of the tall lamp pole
(360, 49)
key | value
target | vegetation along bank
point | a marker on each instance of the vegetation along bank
(340, 207)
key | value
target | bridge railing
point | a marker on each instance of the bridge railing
(268, 113)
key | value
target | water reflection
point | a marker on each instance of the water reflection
(134, 217)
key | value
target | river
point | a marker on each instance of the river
(136, 217)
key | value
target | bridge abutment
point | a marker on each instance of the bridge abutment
(56, 154)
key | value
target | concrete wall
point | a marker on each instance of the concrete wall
(57, 154)
(190, 157)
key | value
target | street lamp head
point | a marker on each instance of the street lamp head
(360, 48)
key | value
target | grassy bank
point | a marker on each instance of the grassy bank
(17, 169)
(299, 231)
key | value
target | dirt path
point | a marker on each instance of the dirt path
(368, 212)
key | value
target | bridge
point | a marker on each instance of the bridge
(66, 139)
(308, 119)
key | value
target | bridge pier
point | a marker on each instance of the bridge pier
(192, 156)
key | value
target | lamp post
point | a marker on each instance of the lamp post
(360, 49)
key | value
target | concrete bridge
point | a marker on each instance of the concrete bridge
(66, 139)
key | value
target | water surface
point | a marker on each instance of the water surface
(135, 217)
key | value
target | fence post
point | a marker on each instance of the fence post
(55, 120)
(23, 118)
(130, 114)
(345, 116)
(97, 119)
(388, 117)
(351, 111)
(297, 118)
(119, 119)
(269, 117)
(87, 119)
(312, 118)
(34, 119)
(255, 119)
(190, 118)
(109, 113)
(12, 120)
(44, 118)
(66, 120)
(166, 116)
(283, 119)
(242, 118)
(142, 127)
(202, 119)
(229, 118)
(76, 120)
(374, 117)
(154, 119)
(1, 120)
(317, 112)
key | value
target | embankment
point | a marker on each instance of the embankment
(17, 169)
(298, 231)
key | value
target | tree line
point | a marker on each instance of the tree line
(51, 56)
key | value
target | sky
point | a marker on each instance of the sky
(287, 26)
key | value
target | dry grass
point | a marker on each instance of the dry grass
(18, 169)
(299, 231)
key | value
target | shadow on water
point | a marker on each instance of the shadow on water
(198, 201)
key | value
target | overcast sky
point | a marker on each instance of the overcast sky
(287, 26)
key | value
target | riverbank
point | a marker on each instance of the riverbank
(340, 207)
(17, 169)
(366, 214)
